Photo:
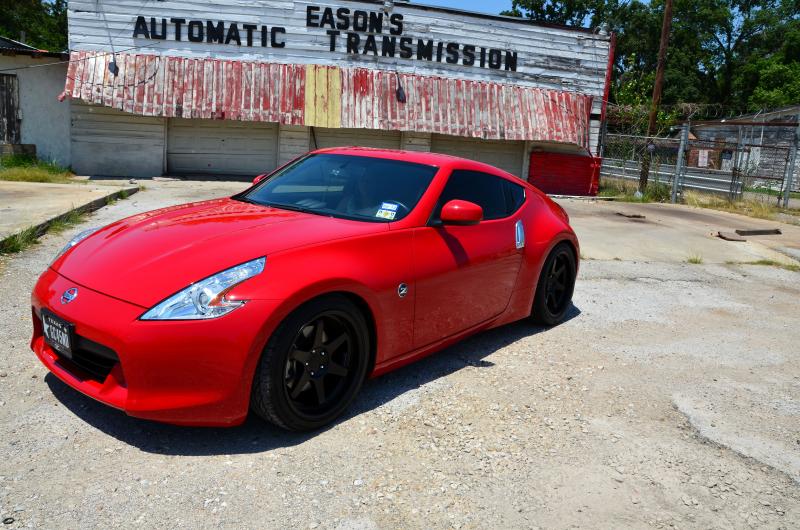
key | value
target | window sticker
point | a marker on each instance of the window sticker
(386, 214)
(389, 206)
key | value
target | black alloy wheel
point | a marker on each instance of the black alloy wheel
(313, 366)
(555, 288)
(318, 368)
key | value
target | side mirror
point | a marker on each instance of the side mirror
(461, 213)
(259, 178)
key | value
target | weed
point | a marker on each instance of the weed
(29, 236)
(66, 221)
(772, 193)
(772, 263)
(20, 168)
(695, 259)
(751, 208)
(19, 242)
(625, 191)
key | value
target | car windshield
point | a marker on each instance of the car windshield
(351, 187)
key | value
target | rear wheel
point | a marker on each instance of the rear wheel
(554, 291)
(313, 366)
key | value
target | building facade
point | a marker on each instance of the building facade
(32, 120)
(239, 88)
(759, 144)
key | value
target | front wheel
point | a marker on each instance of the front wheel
(554, 291)
(313, 366)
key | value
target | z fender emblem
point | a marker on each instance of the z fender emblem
(402, 290)
(69, 295)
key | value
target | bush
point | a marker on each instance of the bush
(625, 190)
(25, 168)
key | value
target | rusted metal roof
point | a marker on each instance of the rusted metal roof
(177, 87)
(327, 96)
(12, 47)
(461, 107)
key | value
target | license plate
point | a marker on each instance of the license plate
(58, 333)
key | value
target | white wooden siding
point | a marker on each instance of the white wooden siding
(415, 141)
(502, 154)
(109, 142)
(548, 57)
(210, 147)
(359, 137)
(293, 141)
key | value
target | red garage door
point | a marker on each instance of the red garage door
(565, 174)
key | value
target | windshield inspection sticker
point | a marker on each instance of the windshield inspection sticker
(389, 206)
(386, 214)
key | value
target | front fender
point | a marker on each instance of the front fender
(368, 267)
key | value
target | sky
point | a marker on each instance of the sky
(482, 6)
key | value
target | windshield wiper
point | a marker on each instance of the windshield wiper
(291, 207)
(281, 206)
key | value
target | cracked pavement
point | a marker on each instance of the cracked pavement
(670, 399)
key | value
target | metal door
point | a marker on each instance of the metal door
(9, 110)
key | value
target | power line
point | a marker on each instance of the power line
(68, 61)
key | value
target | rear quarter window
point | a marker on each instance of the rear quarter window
(498, 197)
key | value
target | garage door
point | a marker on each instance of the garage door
(360, 137)
(506, 155)
(210, 147)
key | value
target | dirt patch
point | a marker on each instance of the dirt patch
(520, 427)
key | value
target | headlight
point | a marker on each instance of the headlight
(75, 240)
(207, 298)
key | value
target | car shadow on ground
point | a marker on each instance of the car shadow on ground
(256, 436)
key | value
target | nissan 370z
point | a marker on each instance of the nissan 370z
(342, 265)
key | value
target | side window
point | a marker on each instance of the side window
(515, 197)
(498, 197)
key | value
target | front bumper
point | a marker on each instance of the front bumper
(180, 372)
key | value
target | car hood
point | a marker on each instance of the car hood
(148, 257)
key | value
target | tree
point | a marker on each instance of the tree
(568, 12)
(741, 54)
(44, 23)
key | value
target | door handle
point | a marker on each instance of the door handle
(519, 234)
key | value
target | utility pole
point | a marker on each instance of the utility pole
(666, 27)
(679, 166)
(787, 192)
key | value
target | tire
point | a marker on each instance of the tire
(553, 298)
(308, 373)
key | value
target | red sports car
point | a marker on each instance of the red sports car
(343, 264)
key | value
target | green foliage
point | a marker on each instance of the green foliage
(43, 22)
(566, 12)
(742, 54)
(19, 241)
(30, 236)
(20, 168)
(626, 191)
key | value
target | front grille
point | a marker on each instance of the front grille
(89, 359)
(92, 358)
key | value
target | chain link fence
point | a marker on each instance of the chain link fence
(742, 168)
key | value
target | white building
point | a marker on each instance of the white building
(30, 115)
(239, 88)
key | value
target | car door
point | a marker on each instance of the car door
(465, 275)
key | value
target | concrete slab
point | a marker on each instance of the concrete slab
(26, 204)
(672, 233)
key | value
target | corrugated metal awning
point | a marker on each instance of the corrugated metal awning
(327, 96)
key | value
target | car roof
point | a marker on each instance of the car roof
(420, 157)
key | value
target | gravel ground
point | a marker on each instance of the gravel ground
(670, 399)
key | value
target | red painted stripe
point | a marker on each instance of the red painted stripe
(257, 91)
